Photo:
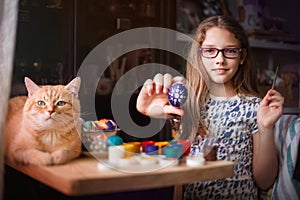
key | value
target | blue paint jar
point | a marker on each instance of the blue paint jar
(173, 150)
(151, 149)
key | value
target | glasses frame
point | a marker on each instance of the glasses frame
(221, 50)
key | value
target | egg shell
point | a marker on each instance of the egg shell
(106, 124)
(98, 146)
(177, 94)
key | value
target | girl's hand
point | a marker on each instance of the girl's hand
(153, 98)
(270, 109)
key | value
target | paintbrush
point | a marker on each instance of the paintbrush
(274, 80)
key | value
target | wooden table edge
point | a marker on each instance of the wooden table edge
(84, 185)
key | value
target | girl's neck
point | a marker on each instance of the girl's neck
(222, 90)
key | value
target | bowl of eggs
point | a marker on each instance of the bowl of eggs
(95, 134)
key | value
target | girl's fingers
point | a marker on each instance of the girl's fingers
(158, 80)
(173, 110)
(148, 85)
(167, 82)
(276, 99)
(279, 99)
(273, 93)
(161, 83)
(275, 104)
(272, 97)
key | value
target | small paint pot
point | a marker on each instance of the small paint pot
(144, 143)
(186, 147)
(115, 153)
(130, 149)
(161, 145)
(137, 146)
(195, 161)
(147, 160)
(151, 149)
(127, 161)
(172, 151)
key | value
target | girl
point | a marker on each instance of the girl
(222, 104)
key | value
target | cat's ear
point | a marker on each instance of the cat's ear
(30, 86)
(74, 86)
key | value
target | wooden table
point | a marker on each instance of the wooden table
(83, 176)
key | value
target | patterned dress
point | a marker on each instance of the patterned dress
(231, 122)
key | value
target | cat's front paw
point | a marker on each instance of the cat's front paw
(60, 156)
(39, 158)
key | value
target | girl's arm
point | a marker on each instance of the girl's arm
(265, 161)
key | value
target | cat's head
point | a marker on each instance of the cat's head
(52, 106)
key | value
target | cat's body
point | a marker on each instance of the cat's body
(43, 128)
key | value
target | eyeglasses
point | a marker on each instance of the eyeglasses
(227, 52)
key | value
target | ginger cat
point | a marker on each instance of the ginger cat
(44, 127)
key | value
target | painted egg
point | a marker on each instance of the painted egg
(177, 94)
(98, 146)
(106, 124)
(90, 126)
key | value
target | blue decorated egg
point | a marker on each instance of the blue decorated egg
(177, 94)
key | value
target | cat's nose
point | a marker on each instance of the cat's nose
(50, 112)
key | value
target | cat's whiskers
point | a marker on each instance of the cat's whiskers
(67, 123)
(86, 114)
(49, 118)
(53, 118)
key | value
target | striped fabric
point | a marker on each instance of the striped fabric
(297, 167)
(287, 135)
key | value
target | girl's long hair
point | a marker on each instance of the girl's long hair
(244, 81)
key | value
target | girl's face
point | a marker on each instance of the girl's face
(221, 69)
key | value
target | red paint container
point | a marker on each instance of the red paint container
(144, 143)
(186, 147)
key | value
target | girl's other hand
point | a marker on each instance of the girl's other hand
(153, 98)
(270, 109)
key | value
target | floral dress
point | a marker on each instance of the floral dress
(231, 122)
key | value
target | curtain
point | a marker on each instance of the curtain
(8, 23)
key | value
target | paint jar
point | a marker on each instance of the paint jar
(172, 150)
(161, 145)
(131, 149)
(115, 153)
(137, 146)
(186, 147)
(148, 142)
(151, 149)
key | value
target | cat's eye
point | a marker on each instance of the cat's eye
(40, 103)
(61, 103)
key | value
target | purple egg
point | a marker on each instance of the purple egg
(177, 94)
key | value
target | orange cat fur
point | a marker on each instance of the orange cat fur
(43, 127)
